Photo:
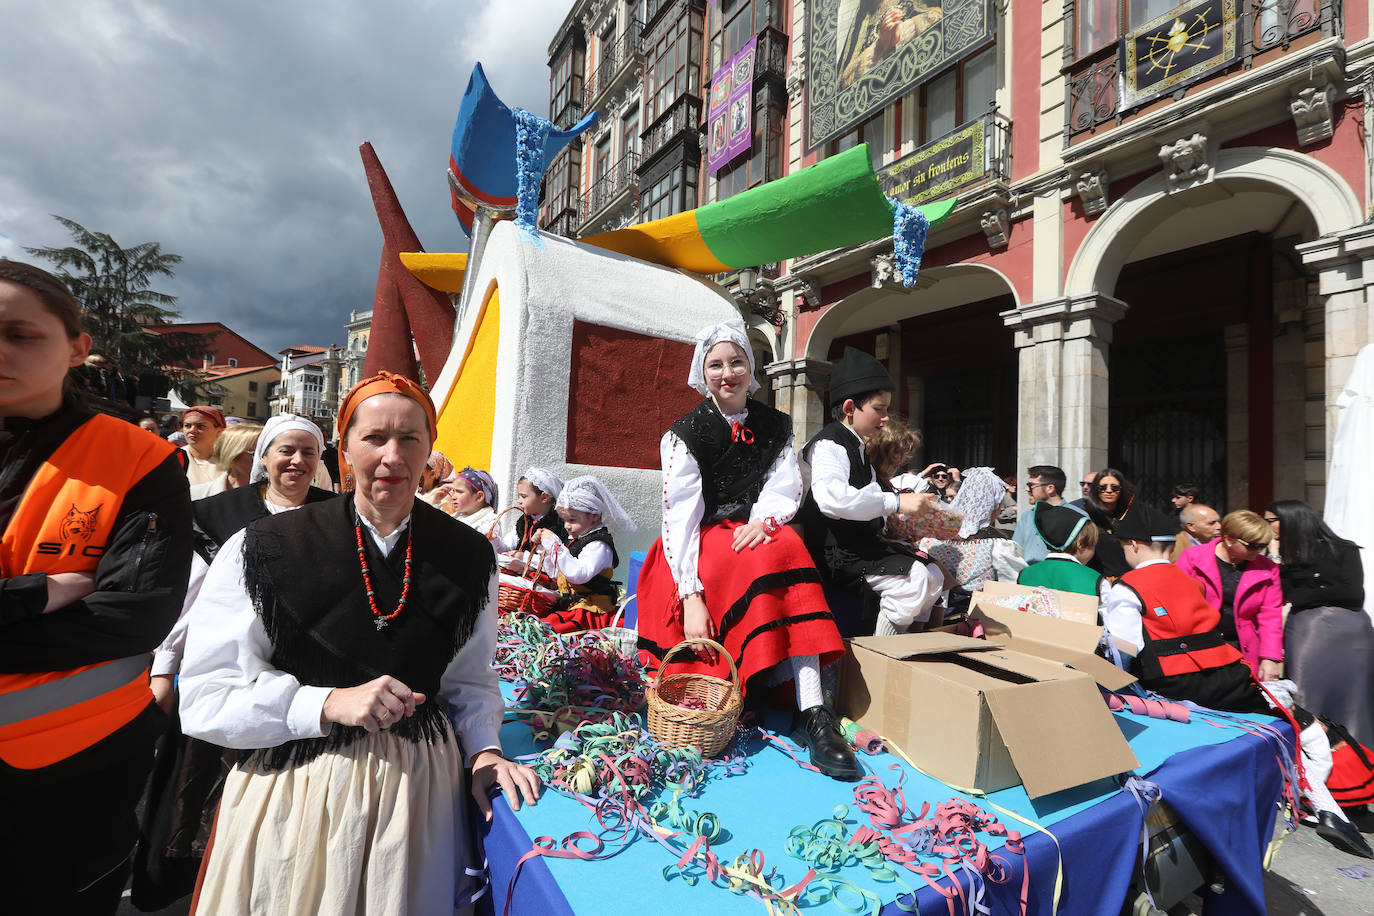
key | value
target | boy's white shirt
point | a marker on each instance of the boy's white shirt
(830, 485)
(1121, 614)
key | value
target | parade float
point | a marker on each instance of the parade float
(572, 355)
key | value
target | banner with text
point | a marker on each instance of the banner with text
(934, 170)
(730, 119)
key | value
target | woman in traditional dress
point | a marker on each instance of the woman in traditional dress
(188, 774)
(727, 567)
(201, 426)
(348, 644)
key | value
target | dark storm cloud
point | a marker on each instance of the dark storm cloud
(229, 132)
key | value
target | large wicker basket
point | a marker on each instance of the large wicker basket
(708, 730)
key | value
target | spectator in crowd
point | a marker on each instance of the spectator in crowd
(80, 721)
(1243, 586)
(1044, 483)
(942, 480)
(150, 425)
(1327, 639)
(1185, 495)
(1086, 486)
(201, 426)
(1004, 519)
(1201, 525)
(1112, 499)
(233, 456)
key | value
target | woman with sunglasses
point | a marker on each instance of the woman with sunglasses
(1327, 636)
(1243, 584)
(1108, 502)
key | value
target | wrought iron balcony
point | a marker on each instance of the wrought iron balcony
(559, 214)
(570, 113)
(682, 115)
(614, 62)
(1095, 81)
(619, 179)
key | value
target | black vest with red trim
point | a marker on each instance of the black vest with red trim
(1181, 630)
(63, 523)
(734, 463)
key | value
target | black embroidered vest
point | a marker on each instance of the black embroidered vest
(600, 584)
(733, 469)
(220, 517)
(301, 570)
(549, 520)
(847, 549)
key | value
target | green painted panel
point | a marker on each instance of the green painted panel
(832, 204)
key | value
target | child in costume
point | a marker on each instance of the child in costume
(981, 551)
(587, 594)
(845, 510)
(535, 495)
(472, 498)
(727, 567)
(1158, 614)
(1072, 540)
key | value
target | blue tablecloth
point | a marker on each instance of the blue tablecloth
(1222, 781)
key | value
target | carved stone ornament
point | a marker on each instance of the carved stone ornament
(996, 225)
(1187, 162)
(1312, 113)
(883, 271)
(810, 292)
(796, 69)
(1092, 190)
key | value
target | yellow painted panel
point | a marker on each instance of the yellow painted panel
(441, 270)
(467, 418)
(674, 241)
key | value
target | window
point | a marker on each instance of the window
(957, 96)
(629, 133)
(870, 132)
(1095, 21)
(603, 159)
(252, 408)
(734, 22)
(672, 63)
(565, 85)
(764, 161)
(253, 387)
(233, 363)
(674, 192)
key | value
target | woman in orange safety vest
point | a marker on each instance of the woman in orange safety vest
(94, 554)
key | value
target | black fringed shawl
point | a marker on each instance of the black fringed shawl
(223, 515)
(302, 573)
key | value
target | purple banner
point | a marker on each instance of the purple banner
(730, 118)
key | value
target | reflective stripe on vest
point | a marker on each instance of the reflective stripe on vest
(63, 523)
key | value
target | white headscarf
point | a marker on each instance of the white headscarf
(587, 494)
(732, 330)
(546, 481)
(979, 496)
(273, 428)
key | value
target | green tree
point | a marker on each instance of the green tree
(114, 286)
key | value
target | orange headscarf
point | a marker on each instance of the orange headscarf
(381, 383)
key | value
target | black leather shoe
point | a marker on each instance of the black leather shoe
(817, 730)
(1342, 835)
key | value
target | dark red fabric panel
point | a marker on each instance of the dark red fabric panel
(624, 391)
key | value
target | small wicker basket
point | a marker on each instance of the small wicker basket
(708, 730)
(528, 591)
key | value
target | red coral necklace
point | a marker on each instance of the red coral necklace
(378, 618)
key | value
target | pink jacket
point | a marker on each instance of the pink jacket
(1258, 604)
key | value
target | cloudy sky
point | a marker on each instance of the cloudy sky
(229, 133)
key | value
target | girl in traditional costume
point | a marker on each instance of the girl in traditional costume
(535, 495)
(348, 645)
(727, 567)
(472, 500)
(587, 594)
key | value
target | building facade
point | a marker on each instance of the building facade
(1158, 260)
(241, 392)
(308, 383)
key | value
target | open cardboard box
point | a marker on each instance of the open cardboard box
(977, 714)
(1072, 638)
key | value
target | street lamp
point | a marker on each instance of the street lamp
(760, 301)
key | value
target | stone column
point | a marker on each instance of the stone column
(1344, 264)
(1062, 385)
(799, 387)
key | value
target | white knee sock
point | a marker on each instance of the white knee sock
(886, 627)
(1316, 758)
(806, 669)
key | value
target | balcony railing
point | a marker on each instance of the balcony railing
(570, 114)
(614, 61)
(1095, 82)
(619, 178)
(559, 213)
(682, 115)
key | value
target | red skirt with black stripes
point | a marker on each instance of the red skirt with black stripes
(766, 603)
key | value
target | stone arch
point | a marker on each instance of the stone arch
(1329, 198)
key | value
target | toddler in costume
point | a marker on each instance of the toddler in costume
(587, 594)
(845, 510)
(1158, 613)
(535, 495)
(727, 567)
(1072, 540)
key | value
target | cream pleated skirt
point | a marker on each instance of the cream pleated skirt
(372, 828)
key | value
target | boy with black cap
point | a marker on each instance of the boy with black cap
(1071, 539)
(845, 509)
(1159, 614)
